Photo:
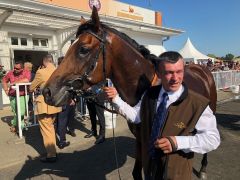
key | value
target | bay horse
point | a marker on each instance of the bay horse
(101, 52)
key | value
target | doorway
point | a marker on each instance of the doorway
(35, 57)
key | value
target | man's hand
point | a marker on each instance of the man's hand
(165, 145)
(24, 80)
(72, 102)
(111, 92)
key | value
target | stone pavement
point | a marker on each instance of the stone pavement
(16, 152)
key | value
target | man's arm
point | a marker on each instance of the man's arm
(24, 80)
(5, 81)
(206, 139)
(127, 111)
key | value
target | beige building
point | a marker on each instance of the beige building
(31, 28)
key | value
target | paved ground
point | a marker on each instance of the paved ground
(83, 160)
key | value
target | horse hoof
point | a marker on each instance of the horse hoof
(203, 176)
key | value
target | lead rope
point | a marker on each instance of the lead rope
(114, 138)
(115, 147)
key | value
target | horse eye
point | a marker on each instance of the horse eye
(83, 51)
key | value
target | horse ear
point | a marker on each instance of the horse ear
(95, 19)
(82, 20)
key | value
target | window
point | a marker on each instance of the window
(44, 42)
(35, 42)
(23, 41)
(40, 42)
(14, 40)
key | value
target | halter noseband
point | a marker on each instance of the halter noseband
(77, 83)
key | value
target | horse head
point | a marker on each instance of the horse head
(100, 52)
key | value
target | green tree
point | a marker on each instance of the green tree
(229, 56)
(211, 55)
(2, 73)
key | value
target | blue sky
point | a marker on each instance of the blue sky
(212, 25)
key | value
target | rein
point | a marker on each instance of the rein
(90, 94)
(84, 78)
(105, 108)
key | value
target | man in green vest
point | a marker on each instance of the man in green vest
(175, 122)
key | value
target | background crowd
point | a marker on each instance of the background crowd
(221, 65)
(54, 122)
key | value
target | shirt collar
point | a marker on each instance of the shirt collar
(173, 96)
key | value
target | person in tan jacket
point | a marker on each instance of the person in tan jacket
(46, 114)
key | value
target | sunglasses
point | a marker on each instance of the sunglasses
(17, 68)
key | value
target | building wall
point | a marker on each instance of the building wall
(108, 7)
(7, 50)
(112, 8)
(149, 41)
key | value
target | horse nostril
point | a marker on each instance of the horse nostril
(46, 92)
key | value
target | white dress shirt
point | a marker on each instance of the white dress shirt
(207, 137)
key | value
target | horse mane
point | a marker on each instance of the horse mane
(140, 48)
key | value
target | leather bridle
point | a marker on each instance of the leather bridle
(90, 94)
(77, 83)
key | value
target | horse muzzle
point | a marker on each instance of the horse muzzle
(58, 98)
(47, 96)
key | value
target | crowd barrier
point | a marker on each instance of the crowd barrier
(223, 79)
(28, 120)
(226, 79)
(31, 120)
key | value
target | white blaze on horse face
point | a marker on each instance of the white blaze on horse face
(75, 41)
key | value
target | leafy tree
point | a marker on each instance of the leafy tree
(229, 56)
(211, 55)
(2, 73)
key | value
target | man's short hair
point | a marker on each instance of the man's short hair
(19, 62)
(28, 66)
(170, 56)
(48, 58)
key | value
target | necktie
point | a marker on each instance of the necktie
(158, 122)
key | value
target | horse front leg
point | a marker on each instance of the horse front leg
(203, 170)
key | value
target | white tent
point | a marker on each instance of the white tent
(190, 53)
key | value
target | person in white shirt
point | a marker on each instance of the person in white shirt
(188, 124)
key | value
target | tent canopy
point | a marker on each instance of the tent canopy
(190, 53)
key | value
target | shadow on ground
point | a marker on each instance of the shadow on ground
(7, 119)
(229, 121)
(33, 136)
(92, 163)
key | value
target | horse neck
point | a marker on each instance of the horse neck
(131, 73)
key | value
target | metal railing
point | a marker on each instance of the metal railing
(226, 79)
(83, 111)
(223, 79)
(26, 120)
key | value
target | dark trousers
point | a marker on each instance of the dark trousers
(65, 120)
(94, 112)
(81, 106)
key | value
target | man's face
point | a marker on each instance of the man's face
(171, 75)
(18, 69)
